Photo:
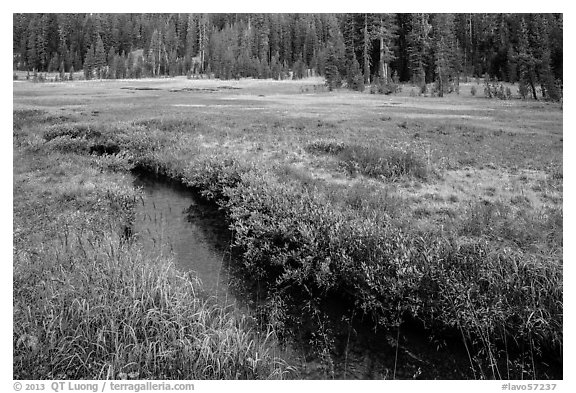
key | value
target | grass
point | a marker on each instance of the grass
(449, 212)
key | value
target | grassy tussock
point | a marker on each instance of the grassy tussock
(526, 230)
(170, 124)
(371, 161)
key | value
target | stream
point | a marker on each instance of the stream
(171, 219)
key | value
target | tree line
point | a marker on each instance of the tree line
(350, 49)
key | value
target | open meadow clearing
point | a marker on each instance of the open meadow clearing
(436, 220)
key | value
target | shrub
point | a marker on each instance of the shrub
(474, 286)
(381, 86)
(423, 88)
(495, 90)
(81, 130)
(354, 78)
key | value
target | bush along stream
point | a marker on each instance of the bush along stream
(320, 264)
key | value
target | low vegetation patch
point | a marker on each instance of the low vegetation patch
(380, 163)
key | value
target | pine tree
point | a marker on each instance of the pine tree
(511, 65)
(354, 77)
(203, 23)
(335, 40)
(262, 31)
(333, 78)
(120, 66)
(31, 52)
(89, 63)
(191, 47)
(310, 42)
(244, 59)
(54, 62)
(444, 51)
(276, 67)
(130, 63)
(156, 52)
(386, 33)
(418, 46)
(546, 75)
(526, 60)
(111, 55)
(62, 70)
(100, 58)
(366, 47)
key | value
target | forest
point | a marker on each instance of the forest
(348, 49)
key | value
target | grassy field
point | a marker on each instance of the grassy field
(446, 211)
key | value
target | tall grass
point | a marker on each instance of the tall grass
(100, 312)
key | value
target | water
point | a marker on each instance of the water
(171, 219)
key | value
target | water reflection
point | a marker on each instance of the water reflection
(170, 219)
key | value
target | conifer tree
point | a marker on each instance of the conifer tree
(333, 78)
(156, 50)
(386, 33)
(31, 52)
(444, 50)
(62, 70)
(89, 63)
(354, 77)
(526, 60)
(99, 58)
(191, 47)
(276, 67)
(546, 75)
(418, 45)
(203, 23)
(130, 63)
(366, 47)
(120, 66)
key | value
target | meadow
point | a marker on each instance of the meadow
(444, 213)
